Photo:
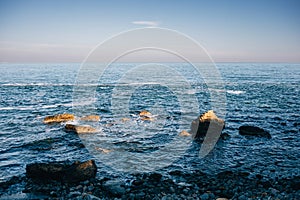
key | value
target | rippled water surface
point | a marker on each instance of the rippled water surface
(265, 95)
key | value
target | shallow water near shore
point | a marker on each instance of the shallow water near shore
(264, 95)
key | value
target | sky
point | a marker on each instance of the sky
(229, 30)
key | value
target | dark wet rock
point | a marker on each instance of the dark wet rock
(65, 172)
(225, 136)
(90, 197)
(155, 177)
(204, 196)
(207, 122)
(254, 131)
(80, 129)
(59, 118)
(114, 188)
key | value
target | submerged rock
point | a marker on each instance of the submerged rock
(184, 133)
(91, 118)
(125, 119)
(254, 131)
(65, 172)
(103, 150)
(80, 129)
(208, 120)
(59, 118)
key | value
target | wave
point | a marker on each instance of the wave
(237, 92)
(34, 107)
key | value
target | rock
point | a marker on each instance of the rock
(221, 199)
(114, 187)
(80, 129)
(204, 196)
(254, 131)
(184, 133)
(86, 196)
(145, 113)
(146, 116)
(225, 136)
(59, 118)
(156, 177)
(74, 194)
(206, 121)
(64, 172)
(103, 150)
(125, 119)
(92, 118)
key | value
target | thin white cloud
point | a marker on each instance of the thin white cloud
(146, 23)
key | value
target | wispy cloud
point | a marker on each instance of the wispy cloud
(146, 23)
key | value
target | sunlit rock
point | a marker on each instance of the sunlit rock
(59, 118)
(146, 116)
(62, 171)
(80, 129)
(206, 121)
(92, 118)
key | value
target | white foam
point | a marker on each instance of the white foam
(237, 92)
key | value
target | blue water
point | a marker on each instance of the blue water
(265, 95)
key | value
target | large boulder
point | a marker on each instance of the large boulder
(64, 172)
(80, 129)
(254, 131)
(59, 118)
(204, 122)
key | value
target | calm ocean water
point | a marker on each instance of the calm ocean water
(265, 95)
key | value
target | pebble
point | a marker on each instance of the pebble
(273, 191)
(172, 189)
(89, 197)
(164, 197)
(242, 197)
(86, 182)
(90, 188)
(74, 194)
(186, 191)
(140, 195)
(204, 196)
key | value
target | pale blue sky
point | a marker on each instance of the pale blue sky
(230, 30)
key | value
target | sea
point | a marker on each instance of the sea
(266, 95)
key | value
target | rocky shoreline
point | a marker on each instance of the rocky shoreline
(175, 185)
